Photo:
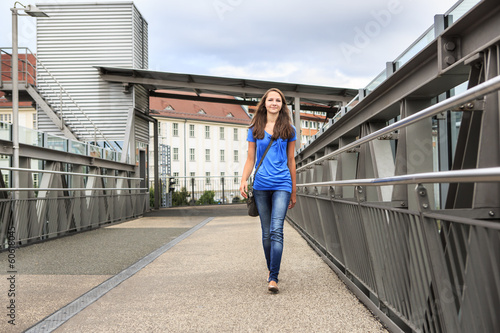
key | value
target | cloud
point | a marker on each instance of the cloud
(314, 42)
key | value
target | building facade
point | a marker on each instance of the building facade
(207, 142)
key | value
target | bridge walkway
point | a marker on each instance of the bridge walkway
(199, 269)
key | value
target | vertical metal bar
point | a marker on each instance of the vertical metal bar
(297, 123)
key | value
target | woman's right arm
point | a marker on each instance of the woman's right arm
(247, 169)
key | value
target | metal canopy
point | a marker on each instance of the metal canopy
(242, 88)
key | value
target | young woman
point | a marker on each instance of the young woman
(274, 184)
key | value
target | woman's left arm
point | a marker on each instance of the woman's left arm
(290, 149)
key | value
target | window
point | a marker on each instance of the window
(236, 180)
(222, 157)
(236, 156)
(7, 118)
(207, 155)
(221, 130)
(159, 129)
(207, 132)
(191, 131)
(222, 174)
(192, 174)
(191, 154)
(235, 131)
(175, 155)
(175, 129)
(35, 180)
(34, 121)
(207, 181)
(176, 174)
(6, 179)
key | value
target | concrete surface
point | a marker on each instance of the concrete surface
(212, 281)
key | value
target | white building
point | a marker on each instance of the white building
(206, 139)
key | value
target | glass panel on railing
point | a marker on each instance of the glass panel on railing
(418, 46)
(77, 147)
(376, 82)
(57, 143)
(460, 10)
(30, 137)
(5, 131)
(95, 151)
(109, 154)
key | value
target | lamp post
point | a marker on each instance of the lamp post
(34, 12)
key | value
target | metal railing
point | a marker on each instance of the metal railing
(201, 190)
(58, 209)
(470, 94)
(420, 269)
(36, 138)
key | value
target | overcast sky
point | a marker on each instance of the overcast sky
(322, 42)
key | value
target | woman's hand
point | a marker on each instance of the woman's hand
(293, 200)
(244, 189)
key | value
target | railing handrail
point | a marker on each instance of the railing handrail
(67, 173)
(72, 189)
(62, 138)
(203, 177)
(480, 90)
(453, 176)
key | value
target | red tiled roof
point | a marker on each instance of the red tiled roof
(186, 109)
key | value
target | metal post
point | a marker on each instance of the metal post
(156, 174)
(15, 105)
(192, 190)
(297, 122)
(222, 181)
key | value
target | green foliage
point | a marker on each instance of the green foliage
(151, 197)
(236, 199)
(207, 198)
(180, 198)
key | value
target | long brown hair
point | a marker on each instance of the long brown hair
(283, 127)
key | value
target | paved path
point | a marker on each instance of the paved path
(139, 276)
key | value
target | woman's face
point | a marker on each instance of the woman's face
(273, 102)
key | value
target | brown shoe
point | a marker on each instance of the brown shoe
(273, 287)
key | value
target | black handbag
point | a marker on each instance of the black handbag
(251, 205)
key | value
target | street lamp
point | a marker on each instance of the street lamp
(34, 12)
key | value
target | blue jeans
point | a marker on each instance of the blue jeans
(272, 206)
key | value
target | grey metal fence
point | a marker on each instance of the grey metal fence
(428, 272)
(222, 189)
(44, 213)
(426, 257)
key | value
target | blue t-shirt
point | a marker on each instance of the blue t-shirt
(273, 173)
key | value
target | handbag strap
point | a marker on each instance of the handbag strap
(262, 158)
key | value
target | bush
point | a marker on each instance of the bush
(151, 197)
(180, 198)
(207, 198)
(236, 200)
